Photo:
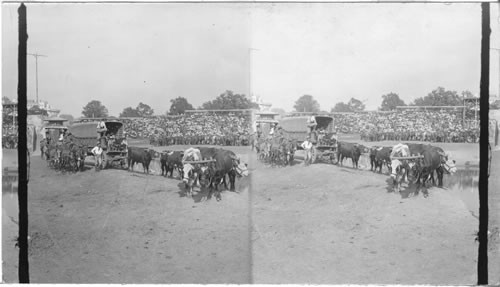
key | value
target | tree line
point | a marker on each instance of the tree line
(306, 103)
(438, 97)
(225, 101)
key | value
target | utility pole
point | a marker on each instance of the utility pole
(23, 152)
(36, 68)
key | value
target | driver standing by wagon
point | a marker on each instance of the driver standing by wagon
(311, 124)
(101, 129)
(97, 152)
(307, 146)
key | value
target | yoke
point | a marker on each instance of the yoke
(199, 161)
(407, 157)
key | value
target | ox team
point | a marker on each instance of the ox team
(414, 161)
(411, 161)
(209, 167)
(204, 166)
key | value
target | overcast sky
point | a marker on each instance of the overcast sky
(123, 54)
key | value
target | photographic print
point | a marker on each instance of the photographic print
(250, 143)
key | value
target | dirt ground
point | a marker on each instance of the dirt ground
(115, 226)
(320, 224)
(325, 224)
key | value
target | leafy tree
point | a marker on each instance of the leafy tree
(391, 101)
(439, 97)
(179, 105)
(228, 100)
(94, 109)
(144, 110)
(7, 111)
(468, 94)
(341, 107)
(306, 103)
(6, 100)
(68, 117)
(129, 112)
(36, 110)
(356, 105)
(7, 115)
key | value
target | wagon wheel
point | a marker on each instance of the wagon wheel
(123, 164)
(291, 158)
(108, 163)
(105, 161)
(314, 154)
(333, 157)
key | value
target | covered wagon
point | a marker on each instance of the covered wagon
(84, 133)
(324, 138)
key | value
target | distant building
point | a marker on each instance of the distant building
(51, 111)
(262, 106)
(55, 121)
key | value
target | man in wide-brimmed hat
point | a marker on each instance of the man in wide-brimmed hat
(307, 146)
(97, 151)
(101, 128)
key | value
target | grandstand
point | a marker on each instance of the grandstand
(193, 126)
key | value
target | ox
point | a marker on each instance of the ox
(81, 154)
(431, 164)
(210, 153)
(163, 163)
(226, 163)
(171, 160)
(290, 147)
(348, 150)
(140, 155)
(434, 159)
(373, 154)
(399, 168)
(382, 157)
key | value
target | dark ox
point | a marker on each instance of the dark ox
(373, 154)
(171, 160)
(205, 173)
(289, 148)
(79, 154)
(226, 162)
(349, 150)
(434, 159)
(210, 153)
(382, 156)
(419, 149)
(140, 155)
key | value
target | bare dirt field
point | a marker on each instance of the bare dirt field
(115, 226)
(316, 224)
(324, 224)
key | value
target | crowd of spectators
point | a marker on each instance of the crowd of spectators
(230, 128)
(409, 125)
(234, 128)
